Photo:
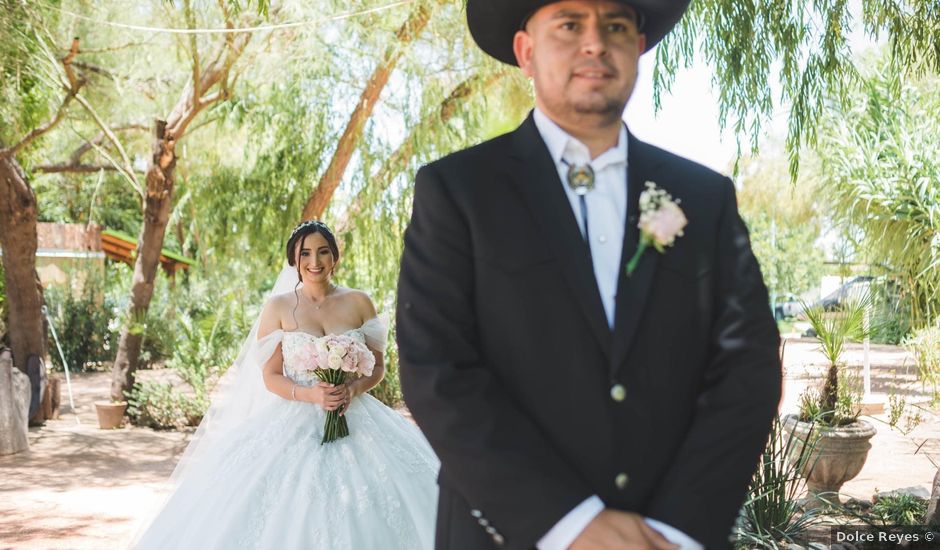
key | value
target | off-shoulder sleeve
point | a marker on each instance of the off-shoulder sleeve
(375, 331)
(262, 349)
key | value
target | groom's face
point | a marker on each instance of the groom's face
(582, 56)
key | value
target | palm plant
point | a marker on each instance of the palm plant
(832, 406)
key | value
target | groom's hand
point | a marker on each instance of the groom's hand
(613, 529)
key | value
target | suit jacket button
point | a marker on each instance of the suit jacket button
(621, 481)
(476, 513)
(491, 530)
(499, 540)
(484, 522)
(618, 393)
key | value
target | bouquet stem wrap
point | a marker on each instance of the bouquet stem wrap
(336, 426)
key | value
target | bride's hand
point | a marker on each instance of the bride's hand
(328, 396)
(349, 392)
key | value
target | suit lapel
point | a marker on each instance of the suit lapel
(632, 291)
(536, 176)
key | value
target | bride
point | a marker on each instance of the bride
(256, 474)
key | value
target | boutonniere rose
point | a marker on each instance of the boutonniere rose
(661, 222)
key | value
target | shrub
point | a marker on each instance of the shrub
(925, 345)
(900, 510)
(82, 325)
(156, 405)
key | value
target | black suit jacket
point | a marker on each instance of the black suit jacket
(508, 363)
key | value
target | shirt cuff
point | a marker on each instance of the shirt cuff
(674, 535)
(565, 531)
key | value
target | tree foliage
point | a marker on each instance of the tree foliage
(881, 156)
(802, 45)
(785, 220)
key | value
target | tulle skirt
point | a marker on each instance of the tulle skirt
(271, 484)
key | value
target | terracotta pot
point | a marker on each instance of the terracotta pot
(110, 414)
(838, 456)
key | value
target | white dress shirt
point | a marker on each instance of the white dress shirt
(607, 212)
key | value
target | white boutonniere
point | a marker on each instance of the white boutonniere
(661, 221)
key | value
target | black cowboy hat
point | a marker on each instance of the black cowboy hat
(493, 23)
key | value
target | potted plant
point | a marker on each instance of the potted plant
(829, 417)
(110, 414)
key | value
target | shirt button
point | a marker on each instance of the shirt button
(618, 393)
(602, 238)
(621, 481)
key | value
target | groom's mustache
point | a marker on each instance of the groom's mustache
(594, 67)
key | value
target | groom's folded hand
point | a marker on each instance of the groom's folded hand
(613, 529)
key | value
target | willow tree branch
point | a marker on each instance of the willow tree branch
(75, 85)
(73, 168)
(81, 150)
(128, 169)
(331, 178)
(393, 165)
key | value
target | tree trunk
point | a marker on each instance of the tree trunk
(18, 213)
(407, 33)
(158, 203)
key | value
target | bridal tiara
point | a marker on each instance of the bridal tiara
(310, 223)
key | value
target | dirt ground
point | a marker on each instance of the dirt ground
(79, 487)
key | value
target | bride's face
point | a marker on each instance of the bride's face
(315, 259)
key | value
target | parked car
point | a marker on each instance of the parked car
(787, 305)
(853, 289)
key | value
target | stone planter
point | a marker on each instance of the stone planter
(838, 456)
(110, 414)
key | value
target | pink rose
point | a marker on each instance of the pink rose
(349, 362)
(366, 362)
(665, 224)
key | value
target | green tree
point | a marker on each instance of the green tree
(784, 221)
(802, 45)
(40, 88)
(881, 158)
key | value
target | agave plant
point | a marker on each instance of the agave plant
(771, 516)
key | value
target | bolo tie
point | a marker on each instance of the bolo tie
(581, 180)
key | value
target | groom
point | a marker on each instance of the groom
(573, 404)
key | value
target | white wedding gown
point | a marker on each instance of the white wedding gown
(270, 484)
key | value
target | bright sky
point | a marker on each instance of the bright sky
(687, 123)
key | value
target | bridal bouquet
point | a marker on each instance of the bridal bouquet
(340, 358)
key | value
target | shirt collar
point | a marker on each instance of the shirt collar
(558, 142)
